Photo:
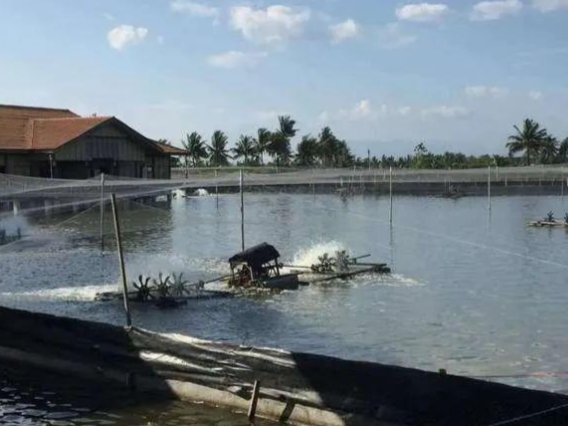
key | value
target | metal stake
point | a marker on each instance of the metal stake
(391, 196)
(102, 211)
(489, 187)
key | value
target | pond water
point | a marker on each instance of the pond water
(474, 291)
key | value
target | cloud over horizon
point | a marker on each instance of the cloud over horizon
(124, 35)
(274, 25)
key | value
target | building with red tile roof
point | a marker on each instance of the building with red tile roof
(48, 142)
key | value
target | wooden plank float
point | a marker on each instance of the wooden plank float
(543, 223)
(293, 387)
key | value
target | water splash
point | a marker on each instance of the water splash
(396, 279)
(84, 293)
(309, 256)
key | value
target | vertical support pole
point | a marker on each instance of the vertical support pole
(50, 158)
(102, 212)
(216, 178)
(390, 196)
(489, 187)
(563, 179)
(241, 210)
(121, 259)
(253, 402)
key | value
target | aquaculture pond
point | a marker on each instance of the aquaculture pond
(473, 290)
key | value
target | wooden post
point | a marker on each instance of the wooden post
(121, 259)
(216, 178)
(564, 182)
(102, 212)
(253, 402)
(390, 196)
(489, 187)
(242, 213)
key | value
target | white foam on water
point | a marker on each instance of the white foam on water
(396, 279)
(85, 293)
(310, 256)
(201, 192)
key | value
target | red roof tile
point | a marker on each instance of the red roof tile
(16, 126)
(45, 129)
(51, 134)
(170, 149)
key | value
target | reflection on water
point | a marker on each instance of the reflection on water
(472, 293)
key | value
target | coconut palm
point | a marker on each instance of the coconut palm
(245, 149)
(195, 147)
(332, 151)
(262, 142)
(549, 150)
(307, 151)
(280, 146)
(327, 146)
(527, 140)
(217, 150)
(563, 151)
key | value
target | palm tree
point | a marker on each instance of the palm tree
(332, 151)
(528, 140)
(262, 142)
(327, 146)
(195, 147)
(563, 151)
(287, 126)
(307, 151)
(549, 150)
(280, 146)
(245, 149)
(217, 150)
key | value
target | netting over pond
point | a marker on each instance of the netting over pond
(11, 185)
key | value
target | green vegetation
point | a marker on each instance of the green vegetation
(530, 144)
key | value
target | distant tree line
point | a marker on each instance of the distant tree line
(530, 144)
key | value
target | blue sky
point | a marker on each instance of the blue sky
(383, 74)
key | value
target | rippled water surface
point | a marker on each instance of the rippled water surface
(477, 293)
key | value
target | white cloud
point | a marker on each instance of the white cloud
(275, 25)
(404, 111)
(236, 59)
(344, 31)
(549, 5)
(448, 112)
(160, 40)
(422, 12)
(535, 95)
(392, 37)
(492, 10)
(482, 91)
(109, 17)
(194, 9)
(363, 110)
(124, 35)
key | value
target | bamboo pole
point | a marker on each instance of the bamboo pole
(489, 187)
(253, 402)
(391, 207)
(102, 212)
(121, 259)
(216, 177)
(564, 182)
(241, 187)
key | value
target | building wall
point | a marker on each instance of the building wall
(17, 164)
(105, 149)
(105, 142)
